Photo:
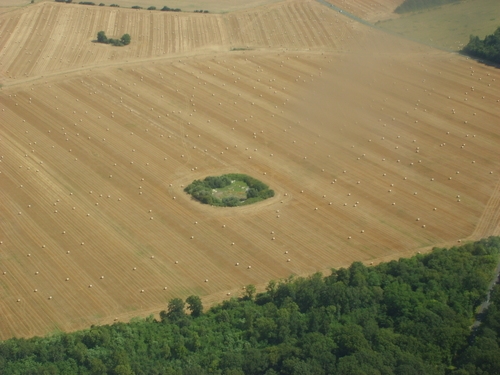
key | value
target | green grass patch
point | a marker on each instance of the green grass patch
(236, 189)
(449, 26)
(414, 5)
(229, 190)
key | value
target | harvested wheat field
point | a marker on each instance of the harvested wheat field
(376, 148)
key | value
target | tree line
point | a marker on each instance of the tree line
(405, 317)
(164, 9)
(488, 48)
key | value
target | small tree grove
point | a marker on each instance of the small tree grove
(123, 41)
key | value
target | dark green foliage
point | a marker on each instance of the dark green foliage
(123, 41)
(114, 6)
(195, 305)
(203, 190)
(201, 11)
(406, 317)
(488, 49)
(64, 1)
(102, 4)
(167, 9)
(101, 37)
(413, 5)
(136, 7)
(483, 356)
(152, 8)
(86, 3)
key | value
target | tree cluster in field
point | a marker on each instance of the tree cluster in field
(201, 11)
(414, 5)
(406, 317)
(203, 190)
(167, 9)
(123, 41)
(487, 49)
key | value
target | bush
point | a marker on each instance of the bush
(101, 37)
(102, 4)
(114, 6)
(152, 8)
(136, 7)
(126, 39)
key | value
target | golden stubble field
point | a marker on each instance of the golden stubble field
(376, 148)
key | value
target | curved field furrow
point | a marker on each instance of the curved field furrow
(370, 10)
(490, 219)
(64, 34)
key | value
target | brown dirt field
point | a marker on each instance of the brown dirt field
(64, 34)
(94, 156)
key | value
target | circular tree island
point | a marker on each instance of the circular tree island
(229, 190)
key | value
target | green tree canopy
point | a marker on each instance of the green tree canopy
(101, 37)
(195, 305)
(126, 39)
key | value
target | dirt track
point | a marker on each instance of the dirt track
(93, 161)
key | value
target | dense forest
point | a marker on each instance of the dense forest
(414, 5)
(488, 48)
(483, 356)
(406, 317)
